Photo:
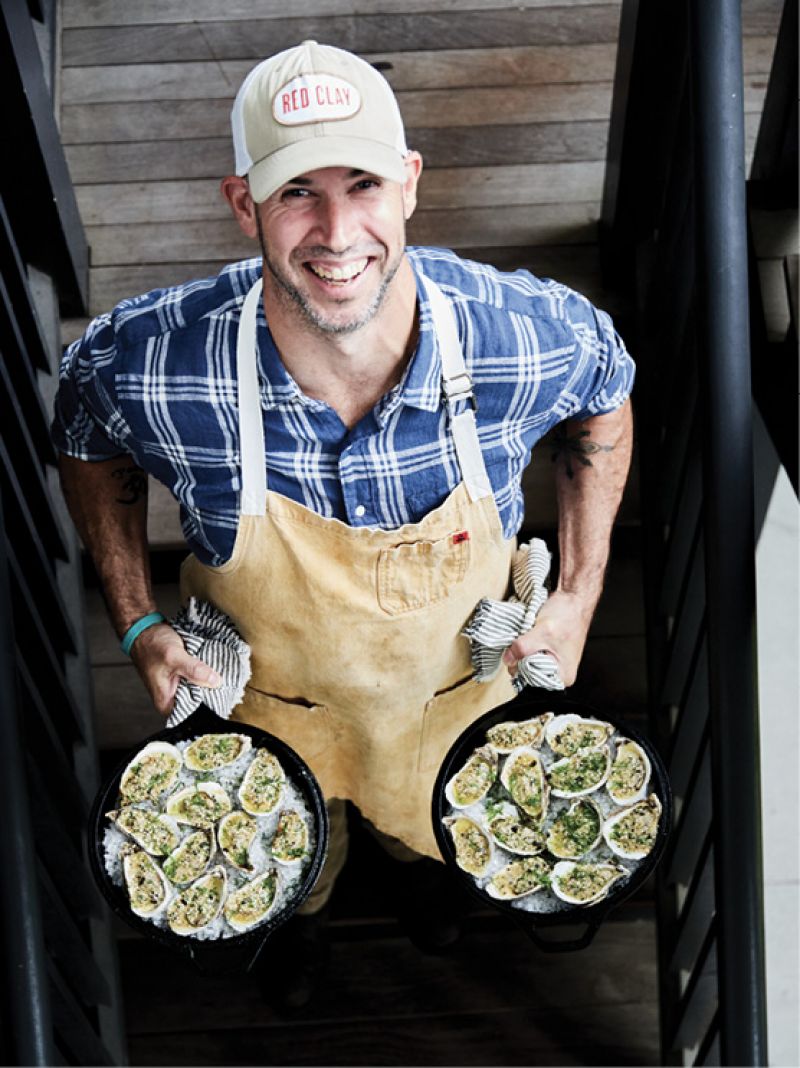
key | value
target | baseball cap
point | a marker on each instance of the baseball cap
(315, 106)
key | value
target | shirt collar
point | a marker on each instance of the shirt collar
(420, 387)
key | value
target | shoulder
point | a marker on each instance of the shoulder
(180, 309)
(480, 287)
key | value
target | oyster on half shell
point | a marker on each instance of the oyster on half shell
(519, 878)
(472, 844)
(523, 776)
(630, 773)
(262, 786)
(513, 831)
(200, 805)
(235, 835)
(584, 884)
(198, 905)
(631, 832)
(505, 737)
(153, 771)
(576, 830)
(147, 886)
(568, 733)
(290, 843)
(155, 833)
(474, 780)
(190, 859)
(583, 772)
(212, 751)
(252, 903)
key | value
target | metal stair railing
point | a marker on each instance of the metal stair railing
(674, 238)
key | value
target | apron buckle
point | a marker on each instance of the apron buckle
(458, 388)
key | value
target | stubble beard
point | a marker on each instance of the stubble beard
(295, 299)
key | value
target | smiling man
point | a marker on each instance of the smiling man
(345, 422)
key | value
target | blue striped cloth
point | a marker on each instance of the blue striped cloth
(156, 379)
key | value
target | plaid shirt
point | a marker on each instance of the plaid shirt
(156, 378)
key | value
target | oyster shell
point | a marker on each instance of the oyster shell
(524, 777)
(472, 844)
(251, 903)
(568, 733)
(147, 886)
(212, 751)
(582, 773)
(198, 905)
(513, 831)
(584, 884)
(504, 737)
(576, 830)
(474, 780)
(262, 786)
(630, 773)
(519, 878)
(190, 859)
(153, 771)
(631, 832)
(200, 805)
(290, 843)
(235, 835)
(155, 833)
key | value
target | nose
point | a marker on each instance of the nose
(336, 223)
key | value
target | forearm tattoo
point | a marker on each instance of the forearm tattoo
(575, 447)
(133, 484)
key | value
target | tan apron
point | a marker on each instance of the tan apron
(357, 659)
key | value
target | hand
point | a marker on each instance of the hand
(162, 661)
(560, 630)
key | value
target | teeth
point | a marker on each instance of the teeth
(339, 274)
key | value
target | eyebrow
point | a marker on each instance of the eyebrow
(304, 181)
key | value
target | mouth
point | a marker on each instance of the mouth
(340, 274)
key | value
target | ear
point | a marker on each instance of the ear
(413, 163)
(237, 193)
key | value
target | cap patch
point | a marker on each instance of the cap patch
(315, 98)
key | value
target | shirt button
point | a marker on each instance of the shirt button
(360, 510)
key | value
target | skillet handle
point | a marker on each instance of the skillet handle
(560, 945)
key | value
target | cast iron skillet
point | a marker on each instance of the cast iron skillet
(221, 954)
(525, 707)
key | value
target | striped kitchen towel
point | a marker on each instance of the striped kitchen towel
(494, 625)
(211, 636)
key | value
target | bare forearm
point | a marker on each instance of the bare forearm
(593, 459)
(108, 504)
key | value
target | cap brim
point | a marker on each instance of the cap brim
(269, 174)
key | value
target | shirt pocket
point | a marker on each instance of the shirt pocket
(415, 574)
(304, 727)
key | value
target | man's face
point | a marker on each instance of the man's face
(332, 241)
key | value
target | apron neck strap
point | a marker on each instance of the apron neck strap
(456, 386)
(253, 499)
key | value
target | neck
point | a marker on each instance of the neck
(350, 372)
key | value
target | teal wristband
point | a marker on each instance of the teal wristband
(132, 633)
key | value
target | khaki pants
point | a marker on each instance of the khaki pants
(337, 855)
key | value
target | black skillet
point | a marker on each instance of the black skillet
(238, 952)
(525, 707)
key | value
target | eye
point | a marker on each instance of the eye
(295, 192)
(367, 183)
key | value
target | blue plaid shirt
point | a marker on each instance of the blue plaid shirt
(156, 378)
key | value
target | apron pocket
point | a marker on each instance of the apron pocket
(446, 715)
(418, 573)
(304, 727)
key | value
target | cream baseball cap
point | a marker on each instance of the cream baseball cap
(315, 106)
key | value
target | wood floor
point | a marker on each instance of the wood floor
(494, 999)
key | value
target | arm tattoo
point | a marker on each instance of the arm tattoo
(575, 447)
(133, 484)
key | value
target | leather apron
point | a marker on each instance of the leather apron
(357, 659)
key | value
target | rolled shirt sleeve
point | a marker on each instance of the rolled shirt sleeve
(87, 423)
(604, 370)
